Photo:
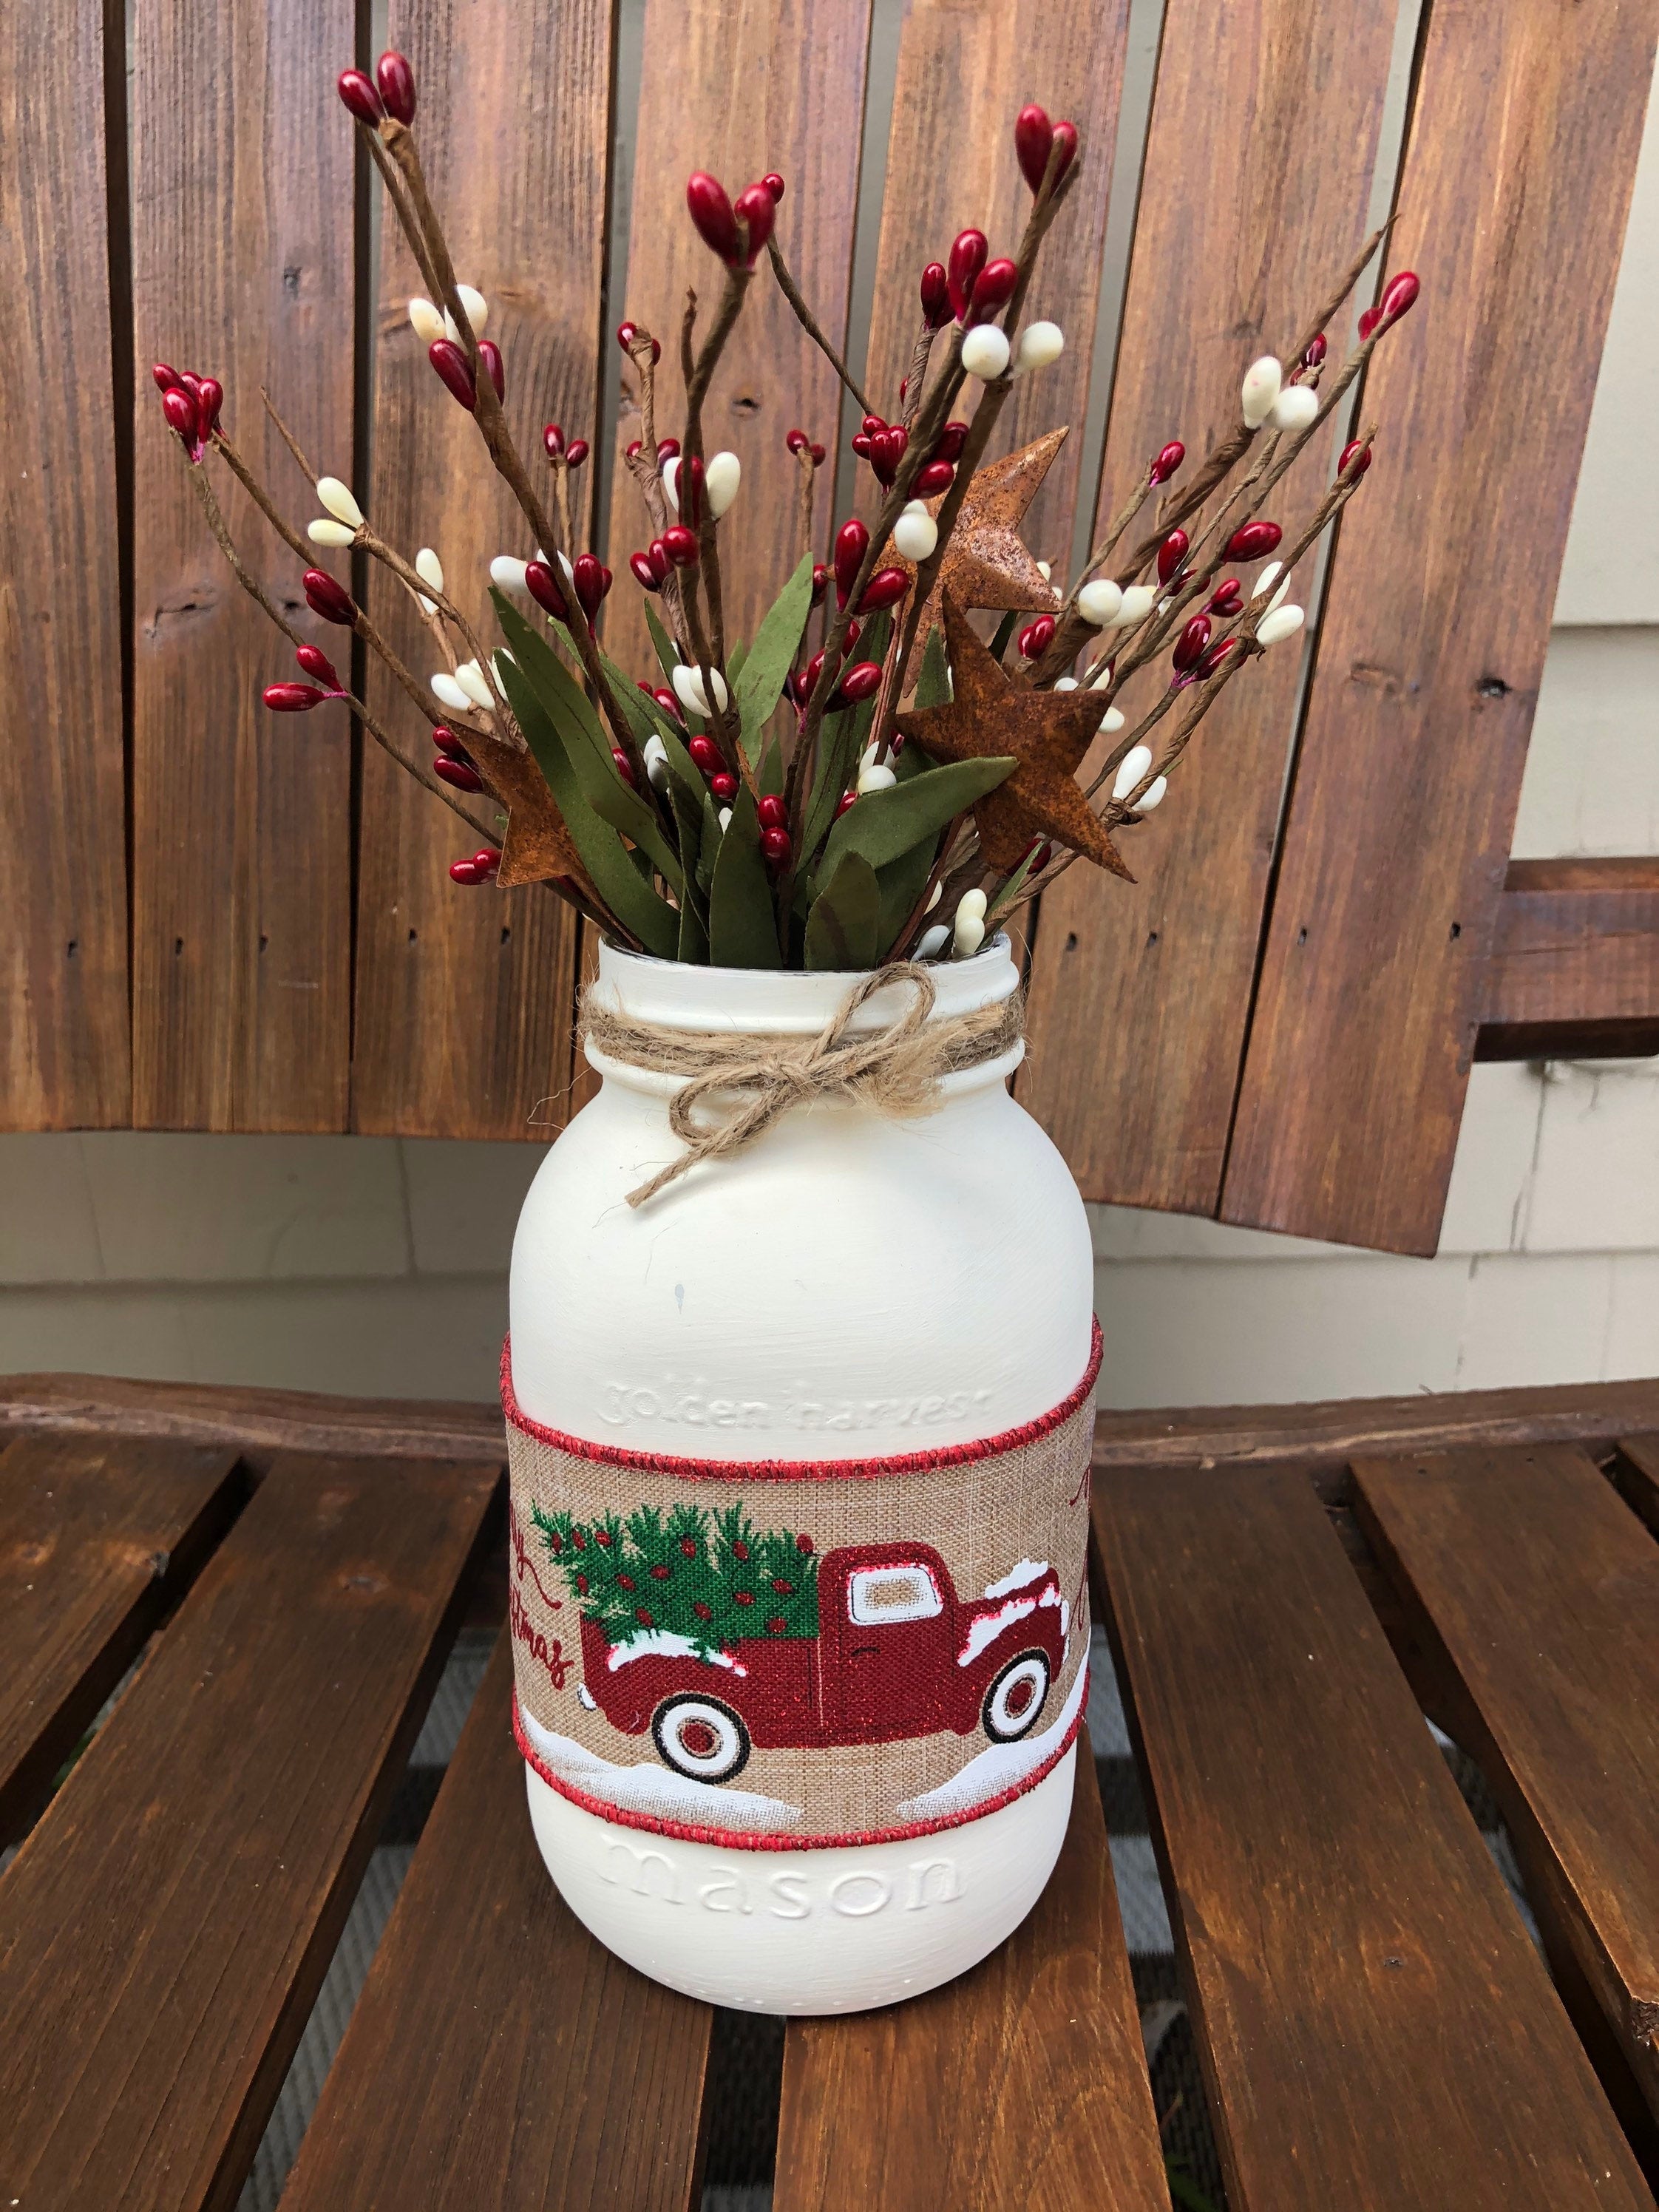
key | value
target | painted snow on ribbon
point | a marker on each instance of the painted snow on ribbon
(1002, 1767)
(663, 1643)
(651, 1788)
(1028, 1570)
(986, 1628)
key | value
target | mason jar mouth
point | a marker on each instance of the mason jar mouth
(791, 1002)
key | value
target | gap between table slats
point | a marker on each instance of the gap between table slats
(165, 1928)
(1374, 2027)
(98, 1538)
(499, 2057)
(1526, 1578)
(1021, 2084)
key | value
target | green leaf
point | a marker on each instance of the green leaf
(768, 777)
(735, 657)
(885, 823)
(1010, 891)
(838, 756)
(933, 684)
(902, 882)
(743, 929)
(664, 644)
(708, 849)
(757, 685)
(1004, 636)
(694, 938)
(611, 798)
(841, 929)
(556, 687)
(602, 853)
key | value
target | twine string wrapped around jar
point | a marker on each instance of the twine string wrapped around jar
(896, 1069)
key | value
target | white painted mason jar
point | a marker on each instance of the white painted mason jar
(800, 1454)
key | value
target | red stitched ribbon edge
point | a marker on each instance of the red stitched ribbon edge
(800, 1470)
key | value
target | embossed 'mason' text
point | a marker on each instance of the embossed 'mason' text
(652, 1870)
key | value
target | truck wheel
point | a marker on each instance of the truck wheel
(700, 1738)
(1016, 1698)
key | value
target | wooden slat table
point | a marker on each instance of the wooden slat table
(1288, 1591)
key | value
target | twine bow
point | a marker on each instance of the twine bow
(894, 1070)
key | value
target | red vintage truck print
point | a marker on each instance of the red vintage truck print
(897, 1653)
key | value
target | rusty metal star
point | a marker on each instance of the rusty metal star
(986, 562)
(1048, 732)
(537, 846)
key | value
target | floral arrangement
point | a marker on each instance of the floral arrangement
(867, 779)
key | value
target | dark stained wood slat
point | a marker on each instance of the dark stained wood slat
(1515, 189)
(964, 72)
(63, 842)
(241, 167)
(740, 88)
(1258, 172)
(546, 2074)
(465, 999)
(1322, 1437)
(98, 1537)
(1524, 1573)
(1636, 1472)
(1021, 2084)
(1575, 961)
(1376, 2027)
(167, 1924)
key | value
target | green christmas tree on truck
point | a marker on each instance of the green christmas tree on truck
(711, 1577)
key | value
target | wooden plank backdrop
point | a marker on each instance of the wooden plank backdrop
(740, 88)
(1257, 176)
(299, 958)
(950, 166)
(463, 1004)
(63, 1026)
(1513, 192)
(242, 268)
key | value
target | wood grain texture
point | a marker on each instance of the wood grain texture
(1320, 1437)
(167, 1924)
(1258, 174)
(1575, 959)
(64, 1038)
(740, 88)
(548, 2077)
(1515, 188)
(242, 268)
(98, 1537)
(1537, 1586)
(1021, 2084)
(965, 70)
(1374, 2027)
(465, 997)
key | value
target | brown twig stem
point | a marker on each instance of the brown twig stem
(805, 317)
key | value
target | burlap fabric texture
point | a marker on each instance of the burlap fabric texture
(777, 1655)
